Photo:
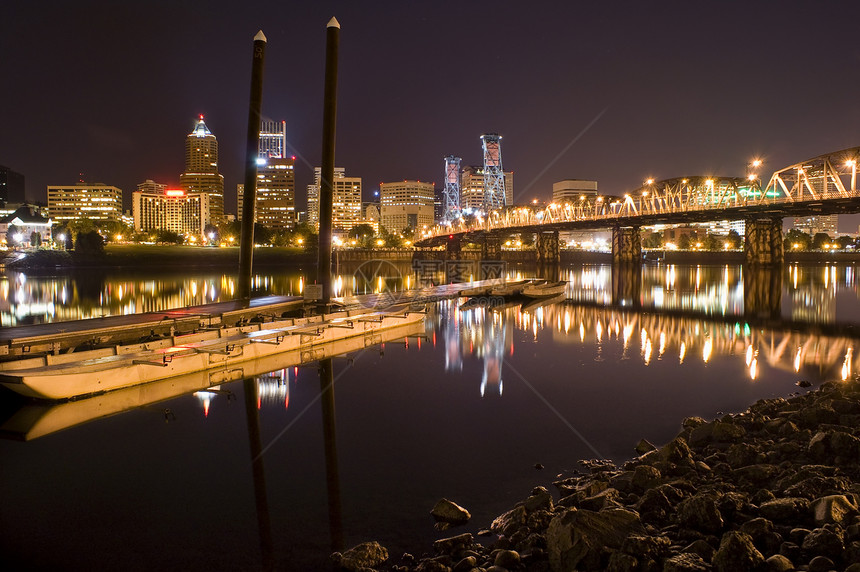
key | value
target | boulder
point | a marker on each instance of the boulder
(540, 499)
(645, 477)
(508, 559)
(580, 536)
(824, 542)
(700, 513)
(778, 563)
(453, 544)
(687, 562)
(737, 552)
(784, 510)
(510, 522)
(832, 509)
(820, 564)
(449, 512)
(365, 555)
(644, 446)
(724, 432)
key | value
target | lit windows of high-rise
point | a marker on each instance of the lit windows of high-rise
(201, 169)
(406, 204)
(276, 200)
(155, 207)
(97, 202)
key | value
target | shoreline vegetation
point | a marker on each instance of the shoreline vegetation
(166, 257)
(774, 488)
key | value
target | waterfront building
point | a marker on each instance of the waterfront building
(346, 201)
(573, 190)
(814, 224)
(472, 187)
(201, 170)
(27, 220)
(156, 207)
(94, 201)
(406, 204)
(276, 193)
(11, 187)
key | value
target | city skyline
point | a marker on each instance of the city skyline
(615, 93)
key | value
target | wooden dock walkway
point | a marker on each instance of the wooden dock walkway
(62, 337)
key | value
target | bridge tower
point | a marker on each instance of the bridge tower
(494, 177)
(451, 193)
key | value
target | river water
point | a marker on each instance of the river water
(469, 410)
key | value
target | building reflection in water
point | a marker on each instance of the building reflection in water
(655, 334)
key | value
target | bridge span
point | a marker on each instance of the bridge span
(822, 185)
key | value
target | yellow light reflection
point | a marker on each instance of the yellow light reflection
(682, 353)
(706, 351)
(797, 360)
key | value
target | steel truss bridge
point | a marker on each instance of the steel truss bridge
(823, 185)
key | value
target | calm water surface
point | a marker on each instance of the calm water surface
(464, 411)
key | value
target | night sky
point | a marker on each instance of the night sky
(612, 91)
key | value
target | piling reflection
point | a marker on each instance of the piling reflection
(264, 524)
(335, 518)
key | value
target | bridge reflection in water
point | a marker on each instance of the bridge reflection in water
(660, 314)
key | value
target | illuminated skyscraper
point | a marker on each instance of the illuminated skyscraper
(406, 204)
(155, 207)
(276, 193)
(201, 169)
(97, 202)
(273, 139)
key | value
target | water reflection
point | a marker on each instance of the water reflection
(485, 333)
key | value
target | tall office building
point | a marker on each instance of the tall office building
(345, 205)
(155, 207)
(276, 179)
(273, 139)
(11, 187)
(93, 201)
(472, 187)
(570, 190)
(814, 224)
(406, 204)
(201, 170)
(276, 194)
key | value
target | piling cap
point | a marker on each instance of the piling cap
(333, 23)
(260, 36)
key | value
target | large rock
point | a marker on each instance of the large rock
(700, 513)
(737, 552)
(645, 477)
(779, 563)
(824, 542)
(510, 522)
(724, 432)
(686, 562)
(784, 510)
(832, 509)
(580, 537)
(453, 544)
(451, 513)
(365, 555)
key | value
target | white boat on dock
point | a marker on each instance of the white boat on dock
(73, 375)
(36, 419)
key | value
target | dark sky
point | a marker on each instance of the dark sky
(110, 89)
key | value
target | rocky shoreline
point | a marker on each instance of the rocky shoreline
(773, 488)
